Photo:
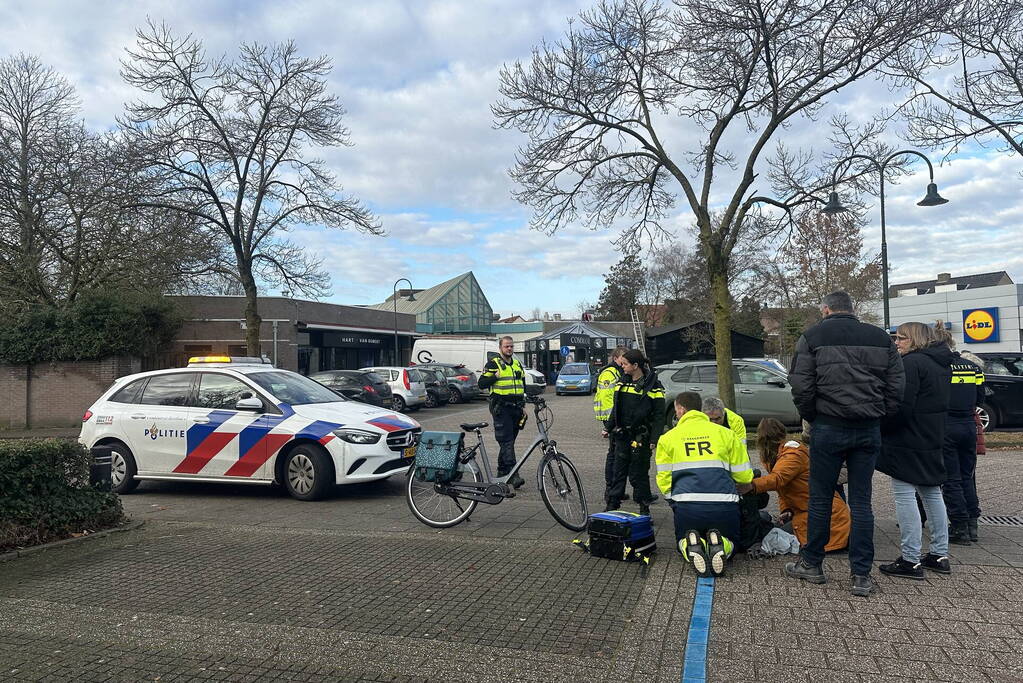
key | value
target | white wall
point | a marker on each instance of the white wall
(949, 306)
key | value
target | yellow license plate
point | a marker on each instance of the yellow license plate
(409, 452)
(571, 386)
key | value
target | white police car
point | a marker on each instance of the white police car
(242, 420)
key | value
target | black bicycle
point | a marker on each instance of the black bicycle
(443, 504)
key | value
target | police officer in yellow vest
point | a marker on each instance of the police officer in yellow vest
(505, 378)
(699, 464)
(603, 402)
(715, 410)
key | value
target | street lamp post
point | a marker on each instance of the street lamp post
(411, 297)
(932, 198)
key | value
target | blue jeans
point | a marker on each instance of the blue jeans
(858, 448)
(910, 527)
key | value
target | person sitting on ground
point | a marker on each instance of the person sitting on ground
(788, 466)
(699, 464)
(715, 410)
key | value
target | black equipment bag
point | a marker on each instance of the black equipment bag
(619, 535)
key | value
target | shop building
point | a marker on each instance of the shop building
(299, 335)
(456, 306)
(984, 312)
(574, 342)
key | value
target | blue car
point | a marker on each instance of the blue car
(576, 378)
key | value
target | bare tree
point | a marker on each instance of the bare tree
(37, 107)
(226, 142)
(65, 223)
(967, 80)
(597, 106)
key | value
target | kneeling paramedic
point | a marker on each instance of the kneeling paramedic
(505, 378)
(699, 464)
(636, 420)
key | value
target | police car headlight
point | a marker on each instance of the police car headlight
(357, 436)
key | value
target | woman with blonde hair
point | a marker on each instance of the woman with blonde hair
(911, 451)
(787, 462)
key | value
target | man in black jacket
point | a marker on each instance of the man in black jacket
(846, 375)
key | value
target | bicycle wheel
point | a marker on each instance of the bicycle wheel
(562, 491)
(432, 505)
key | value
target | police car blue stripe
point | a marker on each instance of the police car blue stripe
(197, 433)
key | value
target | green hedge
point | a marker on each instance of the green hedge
(45, 493)
(96, 325)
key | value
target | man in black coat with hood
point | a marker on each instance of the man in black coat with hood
(846, 375)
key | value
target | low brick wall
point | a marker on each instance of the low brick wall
(56, 394)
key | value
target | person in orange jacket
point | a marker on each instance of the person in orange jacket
(788, 465)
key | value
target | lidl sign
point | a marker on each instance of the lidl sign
(980, 325)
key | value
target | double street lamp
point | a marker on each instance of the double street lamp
(411, 297)
(834, 205)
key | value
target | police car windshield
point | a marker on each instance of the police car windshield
(576, 369)
(294, 389)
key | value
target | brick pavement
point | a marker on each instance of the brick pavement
(239, 583)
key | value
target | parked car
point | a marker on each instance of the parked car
(225, 419)
(576, 378)
(536, 383)
(760, 391)
(408, 392)
(462, 382)
(1003, 390)
(365, 387)
(437, 392)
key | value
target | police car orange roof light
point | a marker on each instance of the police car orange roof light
(209, 359)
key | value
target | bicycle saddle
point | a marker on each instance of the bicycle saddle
(473, 426)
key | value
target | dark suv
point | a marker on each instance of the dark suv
(461, 381)
(366, 387)
(1003, 389)
(437, 392)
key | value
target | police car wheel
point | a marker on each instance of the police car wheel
(122, 469)
(308, 473)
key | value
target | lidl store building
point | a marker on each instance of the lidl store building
(984, 312)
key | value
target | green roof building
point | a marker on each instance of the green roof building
(456, 306)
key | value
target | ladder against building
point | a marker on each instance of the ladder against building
(637, 330)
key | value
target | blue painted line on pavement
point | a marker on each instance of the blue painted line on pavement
(694, 669)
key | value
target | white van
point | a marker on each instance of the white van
(472, 352)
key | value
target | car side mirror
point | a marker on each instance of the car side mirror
(250, 403)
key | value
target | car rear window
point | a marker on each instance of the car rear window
(168, 390)
(128, 393)
(682, 375)
(707, 374)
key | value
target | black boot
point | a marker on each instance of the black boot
(516, 480)
(971, 527)
(958, 533)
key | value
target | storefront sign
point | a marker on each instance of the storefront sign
(575, 340)
(980, 325)
(344, 339)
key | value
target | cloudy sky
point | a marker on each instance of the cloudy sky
(418, 78)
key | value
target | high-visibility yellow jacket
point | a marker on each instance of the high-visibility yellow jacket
(701, 462)
(604, 398)
(738, 426)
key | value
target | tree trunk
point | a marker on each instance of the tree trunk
(718, 271)
(253, 321)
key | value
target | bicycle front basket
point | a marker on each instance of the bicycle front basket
(437, 456)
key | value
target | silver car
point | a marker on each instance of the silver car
(760, 391)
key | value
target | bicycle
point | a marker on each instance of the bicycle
(439, 504)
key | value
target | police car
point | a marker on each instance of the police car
(225, 419)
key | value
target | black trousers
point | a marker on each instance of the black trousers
(960, 455)
(609, 464)
(506, 428)
(632, 465)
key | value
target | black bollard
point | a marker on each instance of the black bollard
(99, 469)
